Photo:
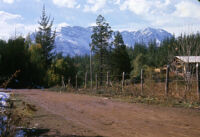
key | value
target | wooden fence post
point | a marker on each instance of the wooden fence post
(86, 80)
(76, 81)
(142, 82)
(91, 82)
(96, 81)
(63, 82)
(107, 79)
(69, 82)
(198, 84)
(167, 81)
(123, 81)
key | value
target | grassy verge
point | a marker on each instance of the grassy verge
(132, 97)
(15, 116)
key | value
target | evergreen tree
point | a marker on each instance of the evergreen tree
(120, 57)
(14, 56)
(46, 37)
(62, 67)
(152, 54)
(37, 67)
(138, 63)
(138, 49)
(100, 43)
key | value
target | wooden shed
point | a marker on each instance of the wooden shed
(185, 64)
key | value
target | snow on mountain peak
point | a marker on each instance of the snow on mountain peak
(75, 40)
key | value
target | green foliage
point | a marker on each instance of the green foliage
(46, 38)
(82, 64)
(187, 45)
(40, 67)
(100, 44)
(14, 56)
(138, 64)
(152, 54)
(120, 59)
(165, 52)
(61, 67)
(37, 67)
(138, 49)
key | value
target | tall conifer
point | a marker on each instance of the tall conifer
(120, 57)
(46, 37)
(100, 43)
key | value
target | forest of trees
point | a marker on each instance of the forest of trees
(40, 66)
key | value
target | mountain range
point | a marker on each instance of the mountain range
(75, 40)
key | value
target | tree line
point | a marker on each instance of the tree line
(40, 66)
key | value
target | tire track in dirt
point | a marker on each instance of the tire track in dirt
(116, 119)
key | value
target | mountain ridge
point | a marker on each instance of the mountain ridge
(74, 40)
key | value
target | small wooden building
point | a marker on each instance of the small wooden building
(185, 64)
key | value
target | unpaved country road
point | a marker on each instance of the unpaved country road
(100, 116)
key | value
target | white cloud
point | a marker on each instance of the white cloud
(167, 2)
(78, 6)
(169, 14)
(117, 2)
(187, 9)
(9, 30)
(182, 28)
(65, 3)
(8, 16)
(9, 25)
(136, 6)
(164, 13)
(94, 5)
(63, 24)
(92, 24)
(147, 7)
(184, 8)
(8, 1)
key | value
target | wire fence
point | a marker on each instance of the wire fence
(157, 84)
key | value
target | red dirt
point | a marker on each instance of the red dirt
(82, 115)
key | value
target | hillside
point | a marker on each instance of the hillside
(75, 40)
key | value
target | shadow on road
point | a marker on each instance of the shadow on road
(44, 133)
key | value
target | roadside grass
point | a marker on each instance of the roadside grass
(18, 114)
(155, 98)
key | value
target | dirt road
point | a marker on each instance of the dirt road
(82, 115)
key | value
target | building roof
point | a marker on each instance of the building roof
(189, 59)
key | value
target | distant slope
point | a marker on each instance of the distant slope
(75, 40)
(145, 36)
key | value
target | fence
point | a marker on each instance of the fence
(155, 84)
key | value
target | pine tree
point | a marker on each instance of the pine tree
(46, 37)
(100, 43)
(120, 57)
(152, 54)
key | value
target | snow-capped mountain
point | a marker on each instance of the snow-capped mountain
(75, 40)
(145, 36)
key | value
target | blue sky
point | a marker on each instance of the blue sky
(175, 16)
